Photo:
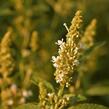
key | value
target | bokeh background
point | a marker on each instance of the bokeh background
(43, 21)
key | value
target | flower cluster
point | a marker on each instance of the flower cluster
(11, 94)
(51, 100)
(67, 60)
(6, 59)
(87, 39)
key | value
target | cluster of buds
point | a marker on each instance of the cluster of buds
(87, 40)
(51, 100)
(67, 60)
(6, 59)
(56, 101)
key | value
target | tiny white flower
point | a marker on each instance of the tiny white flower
(54, 59)
(49, 94)
(55, 65)
(59, 42)
(67, 84)
(77, 36)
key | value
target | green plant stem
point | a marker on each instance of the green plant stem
(61, 90)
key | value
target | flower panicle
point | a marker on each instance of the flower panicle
(6, 59)
(75, 25)
(87, 40)
(67, 60)
(6, 40)
(34, 41)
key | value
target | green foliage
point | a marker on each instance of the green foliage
(98, 90)
(79, 106)
(28, 106)
(88, 106)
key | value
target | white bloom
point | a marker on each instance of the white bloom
(59, 42)
(54, 59)
(55, 65)
(49, 94)
(77, 36)
(67, 84)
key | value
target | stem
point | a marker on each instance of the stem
(61, 90)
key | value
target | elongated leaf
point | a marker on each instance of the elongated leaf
(88, 106)
(28, 106)
(98, 90)
(5, 11)
(49, 85)
(46, 83)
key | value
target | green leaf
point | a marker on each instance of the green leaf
(1, 107)
(28, 106)
(46, 83)
(88, 106)
(49, 86)
(81, 98)
(87, 53)
(5, 11)
(98, 90)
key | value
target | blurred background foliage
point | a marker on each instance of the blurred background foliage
(36, 26)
